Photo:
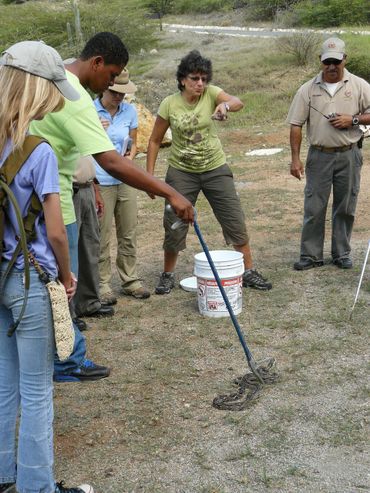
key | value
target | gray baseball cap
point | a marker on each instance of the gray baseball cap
(333, 48)
(37, 58)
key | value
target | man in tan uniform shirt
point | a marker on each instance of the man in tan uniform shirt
(334, 104)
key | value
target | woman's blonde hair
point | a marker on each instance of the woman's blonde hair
(23, 98)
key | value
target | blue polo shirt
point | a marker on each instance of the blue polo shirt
(120, 125)
(40, 174)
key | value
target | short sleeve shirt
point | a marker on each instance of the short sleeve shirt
(195, 147)
(72, 132)
(351, 97)
(40, 174)
(121, 123)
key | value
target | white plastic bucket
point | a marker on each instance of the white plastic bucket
(230, 267)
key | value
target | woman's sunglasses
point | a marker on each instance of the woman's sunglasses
(197, 78)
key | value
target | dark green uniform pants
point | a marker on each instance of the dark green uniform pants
(324, 171)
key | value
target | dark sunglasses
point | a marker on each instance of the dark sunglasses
(197, 78)
(332, 61)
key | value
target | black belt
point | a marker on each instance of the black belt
(334, 149)
(77, 186)
(82, 185)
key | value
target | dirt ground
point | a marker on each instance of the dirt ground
(150, 427)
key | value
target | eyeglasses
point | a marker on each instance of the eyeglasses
(197, 78)
(332, 61)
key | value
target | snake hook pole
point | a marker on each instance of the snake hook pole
(251, 362)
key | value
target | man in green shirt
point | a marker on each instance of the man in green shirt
(76, 131)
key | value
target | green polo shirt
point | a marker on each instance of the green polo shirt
(72, 132)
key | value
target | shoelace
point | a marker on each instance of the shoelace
(254, 276)
(166, 280)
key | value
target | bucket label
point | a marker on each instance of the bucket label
(210, 298)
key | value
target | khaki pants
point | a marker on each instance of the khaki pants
(219, 189)
(119, 202)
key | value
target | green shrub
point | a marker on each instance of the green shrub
(201, 7)
(358, 55)
(328, 13)
(303, 46)
(264, 10)
(49, 23)
(359, 66)
(127, 20)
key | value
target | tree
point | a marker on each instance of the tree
(160, 8)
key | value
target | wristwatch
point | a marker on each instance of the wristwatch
(355, 120)
(227, 107)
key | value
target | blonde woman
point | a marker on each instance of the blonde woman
(32, 83)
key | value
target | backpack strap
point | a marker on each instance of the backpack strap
(10, 168)
(16, 159)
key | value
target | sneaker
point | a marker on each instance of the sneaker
(83, 488)
(139, 293)
(166, 283)
(108, 299)
(7, 488)
(253, 279)
(87, 370)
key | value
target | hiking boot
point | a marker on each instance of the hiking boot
(139, 293)
(253, 279)
(7, 488)
(87, 370)
(166, 283)
(83, 488)
(108, 299)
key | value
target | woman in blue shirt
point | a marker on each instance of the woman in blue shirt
(120, 200)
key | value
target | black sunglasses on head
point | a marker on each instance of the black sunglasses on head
(332, 61)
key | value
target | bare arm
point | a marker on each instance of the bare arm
(155, 140)
(99, 202)
(345, 121)
(296, 167)
(125, 170)
(133, 150)
(225, 102)
(57, 236)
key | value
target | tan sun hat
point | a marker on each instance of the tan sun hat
(123, 84)
(37, 58)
